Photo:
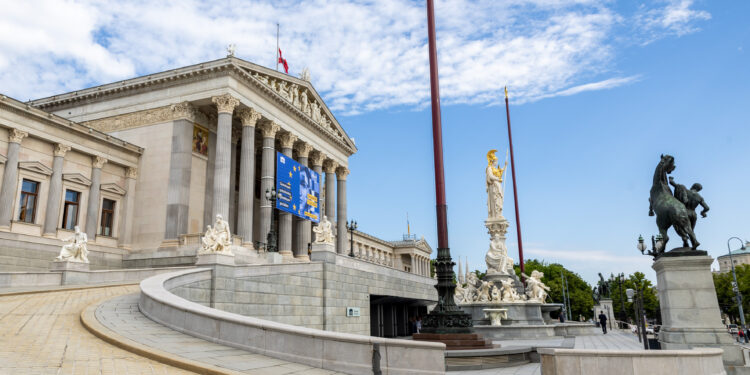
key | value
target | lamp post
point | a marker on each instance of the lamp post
(640, 319)
(620, 277)
(657, 243)
(352, 226)
(735, 286)
(271, 238)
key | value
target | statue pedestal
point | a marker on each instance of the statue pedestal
(323, 252)
(66, 265)
(274, 257)
(689, 307)
(215, 258)
(605, 305)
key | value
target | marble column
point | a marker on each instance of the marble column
(285, 219)
(222, 170)
(330, 168)
(55, 191)
(10, 177)
(232, 220)
(125, 239)
(341, 173)
(304, 226)
(178, 185)
(316, 160)
(268, 162)
(92, 209)
(249, 118)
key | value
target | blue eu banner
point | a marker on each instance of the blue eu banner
(297, 188)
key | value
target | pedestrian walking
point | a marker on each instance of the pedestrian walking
(603, 321)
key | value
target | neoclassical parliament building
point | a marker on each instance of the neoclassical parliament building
(143, 165)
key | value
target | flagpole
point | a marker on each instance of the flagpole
(277, 46)
(515, 189)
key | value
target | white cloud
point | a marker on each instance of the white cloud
(676, 18)
(364, 55)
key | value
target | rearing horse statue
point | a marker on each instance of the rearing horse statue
(669, 210)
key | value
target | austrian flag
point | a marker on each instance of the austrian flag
(283, 62)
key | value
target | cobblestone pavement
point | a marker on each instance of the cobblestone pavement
(122, 316)
(42, 334)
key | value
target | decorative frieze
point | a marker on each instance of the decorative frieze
(225, 103)
(178, 111)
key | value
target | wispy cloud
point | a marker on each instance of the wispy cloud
(364, 55)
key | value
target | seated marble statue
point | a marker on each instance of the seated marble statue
(497, 258)
(470, 292)
(76, 250)
(536, 290)
(217, 239)
(509, 291)
(323, 231)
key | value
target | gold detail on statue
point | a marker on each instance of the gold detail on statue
(492, 163)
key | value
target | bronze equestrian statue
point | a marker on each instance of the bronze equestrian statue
(674, 210)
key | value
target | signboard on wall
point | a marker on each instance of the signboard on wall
(297, 188)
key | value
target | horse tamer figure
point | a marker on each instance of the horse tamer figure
(671, 211)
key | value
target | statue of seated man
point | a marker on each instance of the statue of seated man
(217, 239)
(323, 231)
(75, 250)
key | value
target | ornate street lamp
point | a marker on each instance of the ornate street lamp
(620, 278)
(271, 245)
(735, 286)
(657, 243)
(352, 226)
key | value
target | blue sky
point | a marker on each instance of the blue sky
(598, 90)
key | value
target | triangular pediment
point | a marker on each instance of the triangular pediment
(3, 159)
(77, 178)
(113, 188)
(301, 95)
(35, 166)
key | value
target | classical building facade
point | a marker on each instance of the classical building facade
(144, 165)
(739, 257)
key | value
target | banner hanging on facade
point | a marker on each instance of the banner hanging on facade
(297, 188)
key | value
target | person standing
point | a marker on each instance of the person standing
(603, 321)
(419, 324)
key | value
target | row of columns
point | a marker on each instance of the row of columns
(421, 265)
(226, 105)
(52, 218)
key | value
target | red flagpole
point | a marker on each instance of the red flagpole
(515, 190)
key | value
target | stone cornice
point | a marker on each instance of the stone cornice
(27, 110)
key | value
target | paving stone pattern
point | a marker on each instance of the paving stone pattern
(121, 315)
(42, 334)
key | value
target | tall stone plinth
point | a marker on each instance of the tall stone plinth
(689, 307)
(605, 305)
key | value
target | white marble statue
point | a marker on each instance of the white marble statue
(75, 250)
(484, 292)
(305, 74)
(535, 289)
(494, 186)
(470, 292)
(217, 239)
(497, 258)
(496, 294)
(323, 231)
(509, 291)
(458, 295)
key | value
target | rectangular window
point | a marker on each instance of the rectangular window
(108, 215)
(29, 193)
(70, 209)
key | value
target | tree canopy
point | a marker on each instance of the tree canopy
(581, 302)
(726, 296)
(637, 281)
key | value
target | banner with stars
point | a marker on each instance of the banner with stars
(297, 188)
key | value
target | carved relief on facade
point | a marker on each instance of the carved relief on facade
(168, 113)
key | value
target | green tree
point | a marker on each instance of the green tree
(637, 281)
(581, 303)
(726, 296)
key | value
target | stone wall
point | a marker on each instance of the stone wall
(19, 252)
(312, 295)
